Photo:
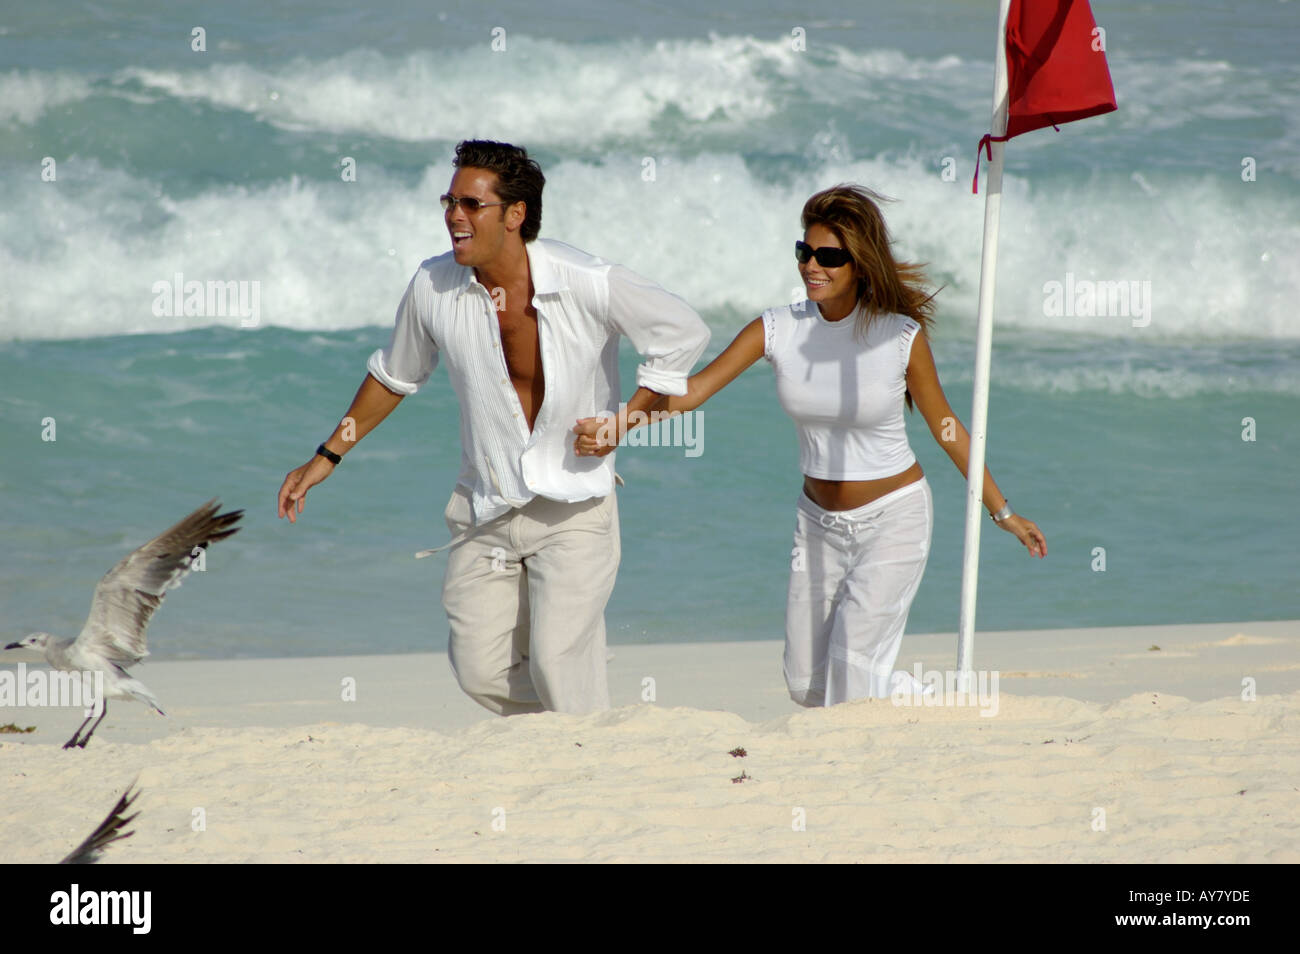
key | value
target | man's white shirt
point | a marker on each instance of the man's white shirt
(583, 304)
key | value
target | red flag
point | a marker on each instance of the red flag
(1056, 68)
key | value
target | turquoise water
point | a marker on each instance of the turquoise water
(1109, 431)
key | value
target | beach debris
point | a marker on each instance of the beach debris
(738, 753)
(113, 637)
(109, 831)
(11, 727)
(741, 777)
(1153, 648)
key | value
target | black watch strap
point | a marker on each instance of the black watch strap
(328, 454)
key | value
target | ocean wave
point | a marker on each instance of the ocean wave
(545, 90)
(1203, 257)
(707, 94)
(540, 90)
(26, 96)
(536, 90)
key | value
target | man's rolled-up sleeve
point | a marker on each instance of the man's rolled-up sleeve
(411, 354)
(665, 330)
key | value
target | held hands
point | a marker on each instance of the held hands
(1026, 532)
(297, 482)
(597, 436)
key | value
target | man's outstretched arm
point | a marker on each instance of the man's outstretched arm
(373, 403)
(665, 331)
(663, 328)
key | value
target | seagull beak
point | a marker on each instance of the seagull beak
(14, 646)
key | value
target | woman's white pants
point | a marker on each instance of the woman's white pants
(853, 575)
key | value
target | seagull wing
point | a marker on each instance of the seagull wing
(109, 831)
(127, 596)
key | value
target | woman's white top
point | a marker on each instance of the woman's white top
(844, 391)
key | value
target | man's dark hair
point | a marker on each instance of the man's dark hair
(519, 179)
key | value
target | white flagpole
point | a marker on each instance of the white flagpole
(983, 350)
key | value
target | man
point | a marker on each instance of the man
(529, 330)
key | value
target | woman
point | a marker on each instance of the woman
(846, 361)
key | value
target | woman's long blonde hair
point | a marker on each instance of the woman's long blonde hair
(885, 286)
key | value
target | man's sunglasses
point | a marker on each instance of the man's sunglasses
(467, 202)
(827, 257)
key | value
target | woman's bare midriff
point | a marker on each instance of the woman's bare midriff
(852, 494)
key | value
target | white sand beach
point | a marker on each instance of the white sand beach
(1097, 748)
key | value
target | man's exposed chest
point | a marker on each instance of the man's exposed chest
(552, 330)
(520, 342)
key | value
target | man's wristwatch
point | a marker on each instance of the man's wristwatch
(328, 454)
(1003, 513)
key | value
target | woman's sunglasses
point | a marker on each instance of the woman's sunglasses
(827, 257)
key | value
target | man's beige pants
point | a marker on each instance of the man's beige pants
(525, 595)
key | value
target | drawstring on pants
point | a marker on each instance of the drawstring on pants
(833, 521)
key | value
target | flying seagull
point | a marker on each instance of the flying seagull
(113, 638)
(109, 831)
